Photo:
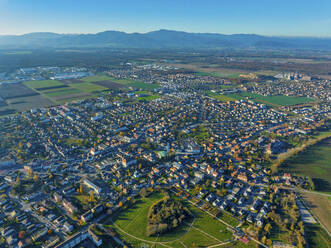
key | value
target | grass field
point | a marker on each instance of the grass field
(313, 162)
(317, 237)
(127, 82)
(221, 74)
(148, 98)
(220, 97)
(205, 231)
(43, 84)
(95, 78)
(88, 87)
(272, 100)
(62, 92)
(321, 207)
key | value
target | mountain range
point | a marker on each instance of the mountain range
(160, 39)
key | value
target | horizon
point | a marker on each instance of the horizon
(282, 18)
(164, 29)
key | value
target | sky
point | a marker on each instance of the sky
(264, 17)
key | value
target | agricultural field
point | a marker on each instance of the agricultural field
(11, 91)
(88, 87)
(317, 237)
(320, 205)
(272, 100)
(202, 230)
(39, 85)
(221, 74)
(126, 82)
(109, 84)
(314, 162)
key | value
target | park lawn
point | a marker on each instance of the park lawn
(220, 97)
(148, 98)
(43, 84)
(83, 199)
(314, 162)
(272, 100)
(134, 221)
(88, 87)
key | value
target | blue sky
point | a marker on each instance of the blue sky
(265, 17)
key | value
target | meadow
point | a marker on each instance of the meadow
(43, 84)
(271, 100)
(202, 230)
(314, 162)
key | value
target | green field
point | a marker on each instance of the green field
(314, 162)
(131, 225)
(317, 237)
(43, 84)
(148, 98)
(220, 97)
(128, 82)
(62, 92)
(95, 78)
(271, 100)
(88, 87)
(221, 74)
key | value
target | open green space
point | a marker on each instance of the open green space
(128, 82)
(88, 87)
(221, 74)
(317, 237)
(62, 92)
(220, 97)
(95, 78)
(43, 84)
(314, 162)
(148, 98)
(272, 100)
(131, 224)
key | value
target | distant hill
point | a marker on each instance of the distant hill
(161, 39)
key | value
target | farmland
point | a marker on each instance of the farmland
(313, 162)
(43, 84)
(320, 205)
(317, 237)
(272, 100)
(201, 230)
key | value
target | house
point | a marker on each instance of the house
(87, 216)
(68, 227)
(91, 185)
(57, 197)
(69, 206)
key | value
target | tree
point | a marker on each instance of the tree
(91, 198)
(264, 239)
(81, 190)
(267, 228)
(143, 192)
(18, 180)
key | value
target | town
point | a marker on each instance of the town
(69, 169)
